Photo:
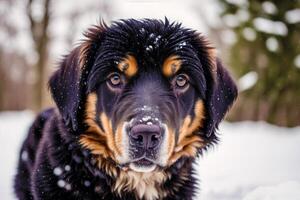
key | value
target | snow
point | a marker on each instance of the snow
(238, 2)
(249, 34)
(247, 81)
(13, 129)
(272, 44)
(269, 26)
(253, 161)
(293, 16)
(269, 7)
(297, 61)
(231, 20)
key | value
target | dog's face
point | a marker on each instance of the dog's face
(143, 94)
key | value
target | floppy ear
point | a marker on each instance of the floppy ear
(66, 84)
(224, 93)
(64, 87)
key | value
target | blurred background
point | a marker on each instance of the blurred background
(258, 40)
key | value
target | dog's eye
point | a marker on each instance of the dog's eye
(180, 83)
(114, 80)
(181, 80)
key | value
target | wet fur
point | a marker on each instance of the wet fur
(55, 161)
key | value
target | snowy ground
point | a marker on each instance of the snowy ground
(254, 161)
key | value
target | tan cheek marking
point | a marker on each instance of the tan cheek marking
(96, 145)
(188, 126)
(171, 65)
(106, 123)
(118, 137)
(199, 117)
(128, 66)
(98, 141)
(94, 138)
(171, 141)
(190, 150)
(183, 131)
(90, 114)
(187, 142)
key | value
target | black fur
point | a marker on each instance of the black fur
(52, 163)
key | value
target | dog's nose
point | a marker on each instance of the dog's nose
(146, 136)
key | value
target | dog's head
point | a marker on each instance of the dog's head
(143, 93)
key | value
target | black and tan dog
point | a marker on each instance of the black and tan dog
(137, 102)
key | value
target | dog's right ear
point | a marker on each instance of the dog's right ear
(67, 83)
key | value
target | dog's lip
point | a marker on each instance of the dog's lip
(144, 162)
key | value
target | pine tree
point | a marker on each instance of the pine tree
(268, 45)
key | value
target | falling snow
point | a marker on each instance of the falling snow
(68, 186)
(67, 168)
(24, 156)
(87, 183)
(57, 171)
(61, 183)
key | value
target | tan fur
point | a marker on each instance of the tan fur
(145, 185)
(90, 114)
(128, 66)
(106, 123)
(187, 142)
(171, 65)
(118, 138)
(107, 166)
(98, 141)
(94, 138)
(171, 141)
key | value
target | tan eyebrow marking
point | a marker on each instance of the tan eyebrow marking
(171, 65)
(128, 66)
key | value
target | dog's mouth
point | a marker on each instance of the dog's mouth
(143, 165)
(143, 162)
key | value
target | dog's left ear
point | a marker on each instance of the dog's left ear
(224, 93)
(68, 84)
(64, 87)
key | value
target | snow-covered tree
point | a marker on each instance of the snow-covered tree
(266, 54)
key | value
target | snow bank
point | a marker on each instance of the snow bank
(253, 161)
(13, 129)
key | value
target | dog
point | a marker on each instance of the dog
(136, 103)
